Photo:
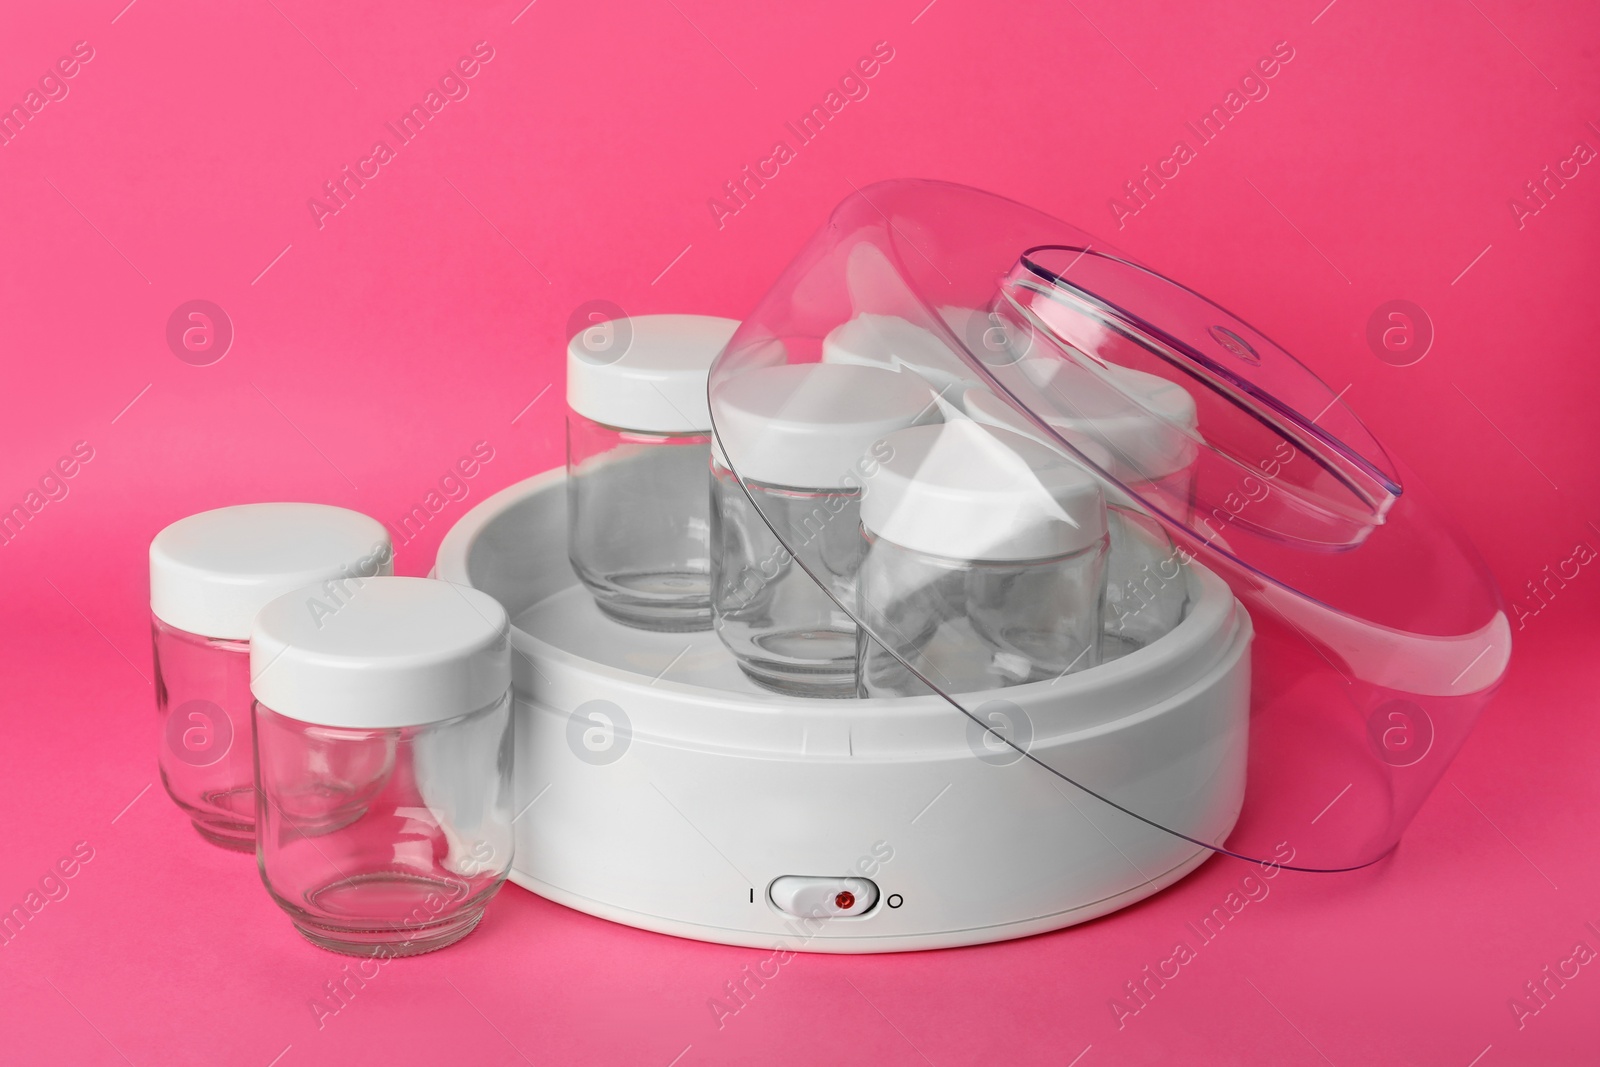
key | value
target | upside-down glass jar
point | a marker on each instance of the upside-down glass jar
(978, 531)
(209, 575)
(638, 447)
(809, 432)
(383, 761)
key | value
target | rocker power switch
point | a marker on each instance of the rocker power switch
(806, 896)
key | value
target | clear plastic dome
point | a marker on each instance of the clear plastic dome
(1094, 436)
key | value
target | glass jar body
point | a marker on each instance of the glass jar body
(384, 842)
(638, 523)
(787, 633)
(975, 625)
(203, 706)
(1147, 590)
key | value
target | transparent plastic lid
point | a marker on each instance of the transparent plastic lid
(1052, 361)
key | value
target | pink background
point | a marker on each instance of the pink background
(425, 316)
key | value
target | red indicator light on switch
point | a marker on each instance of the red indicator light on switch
(845, 900)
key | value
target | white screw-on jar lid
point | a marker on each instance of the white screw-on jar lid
(809, 425)
(890, 341)
(1150, 432)
(966, 491)
(980, 405)
(650, 375)
(210, 573)
(392, 652)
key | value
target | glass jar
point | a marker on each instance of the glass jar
(985, 563)
(638, 523)
(383, 759)
(1148, 425)
(638, 447)
(1146, 590)
(1150, 435)
(807, 435)
(209, 575)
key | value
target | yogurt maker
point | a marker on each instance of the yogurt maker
(1324, 638)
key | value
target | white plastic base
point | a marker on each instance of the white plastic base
(660, 788)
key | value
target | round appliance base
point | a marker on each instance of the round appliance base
(789, 941)
(659, 786)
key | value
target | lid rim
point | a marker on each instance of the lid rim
(491, 705)
(1387, 481)
(657, 382)
(401, 652)
(212, 571)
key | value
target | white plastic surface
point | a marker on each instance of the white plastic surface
(210, 573)
(810, 425)
(661, 788)
(393, 652)
(966, 491)
(651, 375)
